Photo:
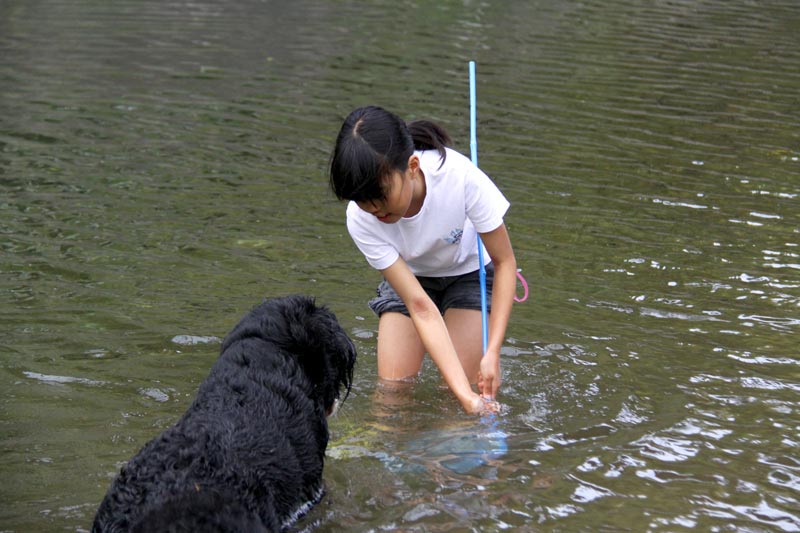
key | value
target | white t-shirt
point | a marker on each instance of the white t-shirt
(441, 239)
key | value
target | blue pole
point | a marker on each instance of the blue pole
(473, 147)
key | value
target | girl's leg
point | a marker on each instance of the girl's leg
(466, 331)
(400, 350)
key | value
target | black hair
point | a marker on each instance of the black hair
(373, 144)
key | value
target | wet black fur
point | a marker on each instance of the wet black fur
(248, 453)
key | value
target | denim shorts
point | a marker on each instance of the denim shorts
(459, 292)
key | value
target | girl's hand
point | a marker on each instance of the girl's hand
(489, 376)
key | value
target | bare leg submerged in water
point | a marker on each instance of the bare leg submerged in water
(401, 352)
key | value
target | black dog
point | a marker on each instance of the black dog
(248, 453)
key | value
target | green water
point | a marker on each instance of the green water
(163, 169)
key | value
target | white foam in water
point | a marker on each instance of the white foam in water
(46, 378)
(304, 508)
(192, 340)
(155, 394)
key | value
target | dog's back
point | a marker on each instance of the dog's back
(201, 512)
(250, 448)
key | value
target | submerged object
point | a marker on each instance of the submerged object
(464, 449)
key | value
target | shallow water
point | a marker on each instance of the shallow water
(162, 169)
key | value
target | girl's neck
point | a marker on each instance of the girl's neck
(418, 195)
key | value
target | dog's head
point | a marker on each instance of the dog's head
(312, 335)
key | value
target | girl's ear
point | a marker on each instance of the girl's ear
(413, 163)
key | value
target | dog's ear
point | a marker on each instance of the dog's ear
(331, 359)
(323, 349)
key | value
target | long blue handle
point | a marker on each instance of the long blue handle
(473, 147)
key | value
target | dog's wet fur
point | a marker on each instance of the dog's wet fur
(248, 453)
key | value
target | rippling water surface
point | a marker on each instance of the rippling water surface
(162, 169)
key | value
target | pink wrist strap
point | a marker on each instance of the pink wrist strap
(524, 287)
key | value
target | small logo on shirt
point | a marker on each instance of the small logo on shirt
(454, 237)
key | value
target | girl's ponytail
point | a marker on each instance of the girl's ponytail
(428, 135)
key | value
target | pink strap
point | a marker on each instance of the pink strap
(524, 286)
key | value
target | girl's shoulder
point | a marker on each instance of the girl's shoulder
(353, 212)
(454, 161)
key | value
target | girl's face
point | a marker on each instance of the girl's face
(405, 192)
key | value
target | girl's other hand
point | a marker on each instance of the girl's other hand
(490, 407)
(480, 405)
(489, 376)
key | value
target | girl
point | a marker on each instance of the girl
(414, 208)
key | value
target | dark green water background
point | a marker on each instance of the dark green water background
(163, 169)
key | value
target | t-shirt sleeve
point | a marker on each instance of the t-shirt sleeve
(378, 253)
(486, 205)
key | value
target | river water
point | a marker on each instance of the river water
(163, 169)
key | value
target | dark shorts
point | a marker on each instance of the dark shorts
(459, 292)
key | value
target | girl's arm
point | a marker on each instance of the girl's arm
(498, 244)
(433, 333)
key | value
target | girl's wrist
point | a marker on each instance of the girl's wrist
(492, 353)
